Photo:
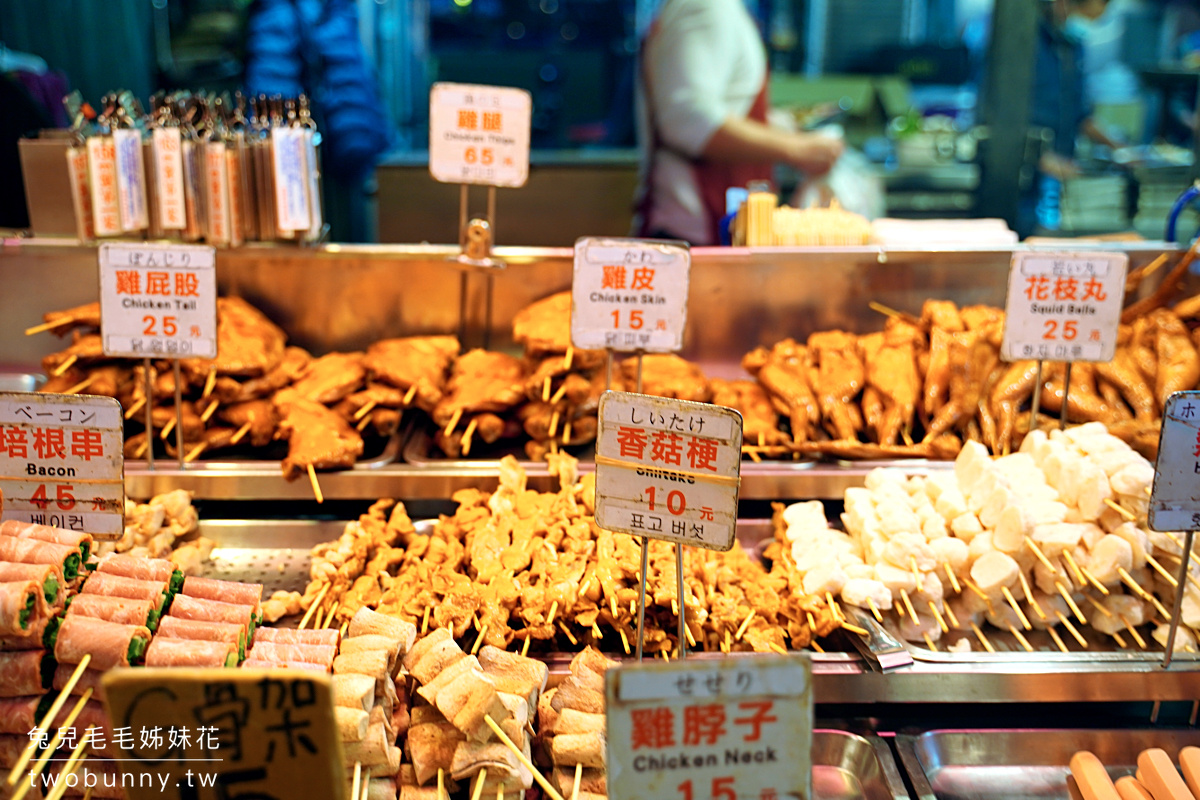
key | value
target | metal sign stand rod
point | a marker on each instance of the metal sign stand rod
(462, 279)
(641, 632)
(491, 275)
(1180, 590)
(178, 412)
(1037, 398)
(682, 604)
(1066, 401)
(147, 369)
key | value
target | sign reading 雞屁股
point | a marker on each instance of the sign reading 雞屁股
(1063, 306)
(668, 469)
(723, 729)
(630, 294)
(479, 134)
(1175, 498)
(62, 461)
(212, 734)
(158, 300)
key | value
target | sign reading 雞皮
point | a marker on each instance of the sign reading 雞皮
(62, 461)
(668, 469)
(724, 729)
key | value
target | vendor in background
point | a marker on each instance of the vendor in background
(1061, 104)
(702, 120)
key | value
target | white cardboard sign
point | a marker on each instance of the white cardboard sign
(158, 300)
(723, 729)
(630, 294)
(1063, 306)
(479, 134)
(668, 469)
(62, 461)
(1175, 499)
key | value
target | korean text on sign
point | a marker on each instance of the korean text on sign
(61, 461)
(1064, 306)
(668, 469)
(252, 733)
(158, 301)
(630, 294)
(722, 730)
(479, 134)
(1175, 499)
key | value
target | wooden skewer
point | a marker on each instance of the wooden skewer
(195, 452)
(1142, 593)
(425, 620)
(983, 640)
(553, 429)
(567, 632)
(908, 604)
(568, 358)
(754, 456)
(833, 607)
(40, 764)
(1161, 570)
(479, 639)
(674, 606)
(1020, 638)
(45, 326)
(1078, 573)
(816, 646)
(72, 764)
(812, 623)
(782, 651)
(1058, 640)
(313, 608)
(470, 431)
(528, 639)
(64, 366)
(240, 433)
(941, 621)
(453, 423)
(599, 634)
(136, 407)
(356, 784)
(553, 611)
(1037, 607)
(40, 729)
(316, 487)
(1012, 601)
(929, 642)
(728, 645)
(366, 788)
(874, 610)
(1137, 637)
(480, 777)
(166, 429)
(546, 390)
(342, 630)
(141, 448)
(1103, 609)
(1066, 623)
(885, 310)
(441, 784)
(953, 578)
(558, 395)
(520, 756)
(366, 409)
(408, 396)
(1091, 578)
(363, 423)
(83, 384)
(950, 615)
(612, 601)
(318, 619)
(850, 626)
(332, 610)
(912, 561)
(1041, 555)
(624, 640)
(1066, 595)
(1120, 640)
(210, 382)
(978, 592)
(741, 631)
(566, 440)
(578, 779)
(762, 438)
(1117, 507)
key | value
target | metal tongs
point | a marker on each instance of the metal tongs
(879, 647)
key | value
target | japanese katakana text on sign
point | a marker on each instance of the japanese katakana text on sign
(62, 462)
(479, 134)
(1063, 306)
(668, 469)
(720, 729)
(267, 734)
(630, 294)
(158, 301)
(1175, 499)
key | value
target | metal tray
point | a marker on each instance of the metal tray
(378, 452)
(1004, 764)
(1010, 651)
(850, 766)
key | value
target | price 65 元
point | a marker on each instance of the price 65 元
(722, 789)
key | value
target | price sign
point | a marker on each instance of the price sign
(668, 469)
(216, 734)
(479, 134)
(1063, 306)
(630, 294)
(1175, 499)
(158, 300)
(62, 461)
(694, 730)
